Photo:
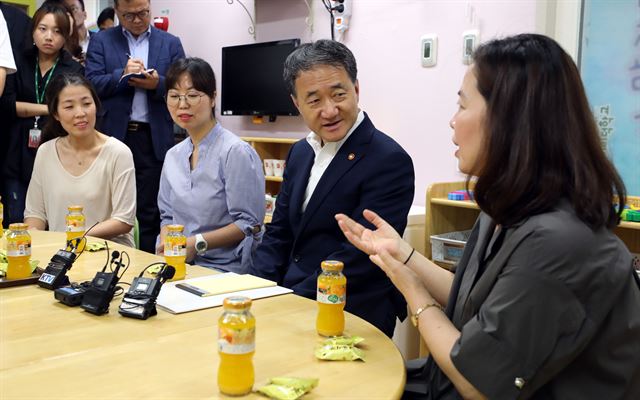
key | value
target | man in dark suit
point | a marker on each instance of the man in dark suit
(135, 112)
(344, 166)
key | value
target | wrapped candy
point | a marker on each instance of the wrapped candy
(339, 353)
(288, 388)
(343, 340)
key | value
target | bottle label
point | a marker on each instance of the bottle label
(331, 294)
(18, 248)
(177, 250)
(75, 225)
(236, 341)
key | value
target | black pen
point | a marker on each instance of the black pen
(192, 289)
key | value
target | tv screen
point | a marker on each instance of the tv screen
(252, 81)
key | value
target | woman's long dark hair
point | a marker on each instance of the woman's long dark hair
(542, 142)
(72, 41)
(53, 128)
(59, 13)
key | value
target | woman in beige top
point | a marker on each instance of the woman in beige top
(79, 165)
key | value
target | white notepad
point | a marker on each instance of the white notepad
(224, 283)
(176, 300)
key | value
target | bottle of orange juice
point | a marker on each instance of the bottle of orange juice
(331, 298)
(236, 346)
(75, 227)
(18, 251)
(175, 250)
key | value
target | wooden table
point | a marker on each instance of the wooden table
(49, 350)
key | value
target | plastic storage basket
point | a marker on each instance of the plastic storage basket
(448, 247)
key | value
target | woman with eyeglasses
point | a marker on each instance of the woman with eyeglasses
(25, 93)
(212, 182)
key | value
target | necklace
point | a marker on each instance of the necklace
(74, 153)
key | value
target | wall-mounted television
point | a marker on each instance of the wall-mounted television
(252, 81)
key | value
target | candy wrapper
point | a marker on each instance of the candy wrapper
(305, 384)
(155, 269)
(339, 353)
(343, 341)
(281, 392)
(288, 388)
(95, 246)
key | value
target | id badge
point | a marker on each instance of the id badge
(35, 135)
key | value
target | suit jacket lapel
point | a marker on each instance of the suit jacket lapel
(461, 267)
(154, 48)
(121, 46)
(356, 145)
(299, 185)
(484, 285)
(485, 230)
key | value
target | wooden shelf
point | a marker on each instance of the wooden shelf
(444, 215)
(455, 203)
(271, 148)
(629, 225)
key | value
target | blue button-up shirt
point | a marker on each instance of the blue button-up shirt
(139, 48)
(226, 186)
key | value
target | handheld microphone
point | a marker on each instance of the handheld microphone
(140, 301)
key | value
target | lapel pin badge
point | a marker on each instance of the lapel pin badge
(351, 156)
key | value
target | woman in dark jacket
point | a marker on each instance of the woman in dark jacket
(24, 95)
(544, 302)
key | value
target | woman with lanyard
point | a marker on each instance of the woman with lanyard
(42, 61)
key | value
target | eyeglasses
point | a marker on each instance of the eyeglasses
(130, 17)
(192, 99)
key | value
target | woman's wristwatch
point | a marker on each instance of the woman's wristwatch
(201, 244)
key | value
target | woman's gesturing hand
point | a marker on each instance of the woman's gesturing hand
(373, 241)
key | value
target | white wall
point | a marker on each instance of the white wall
(410, 103)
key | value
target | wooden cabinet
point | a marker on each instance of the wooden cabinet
(445, 215)
(271, 148)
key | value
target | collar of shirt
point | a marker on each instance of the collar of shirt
(206, 141)
(331, 148)
(323, 157)
(130, 37)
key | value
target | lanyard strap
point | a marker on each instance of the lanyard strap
(40, 96)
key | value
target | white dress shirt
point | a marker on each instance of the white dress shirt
(324, 156)
(6, 54)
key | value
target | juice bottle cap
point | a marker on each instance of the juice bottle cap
(75, 208)
(175, 228)
(236, 302)
(18, 226)
(331, 265)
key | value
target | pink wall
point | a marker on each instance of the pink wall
(410, 103)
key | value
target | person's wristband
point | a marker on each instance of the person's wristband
(410, 255)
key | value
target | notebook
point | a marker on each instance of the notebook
(124, 79)
(176, 301)
(224, 283)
